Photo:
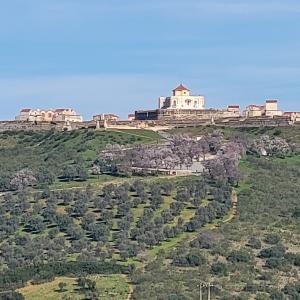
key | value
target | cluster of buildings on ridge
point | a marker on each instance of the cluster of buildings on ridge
(181, 105)
(50, 115)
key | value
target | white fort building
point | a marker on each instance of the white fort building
(182, 99)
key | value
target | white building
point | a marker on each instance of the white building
(182, 99)
(30, 115)
(66, 115)
(47, 115)
(253, 111)
(270, 109)
(57, 115)
(293, 116)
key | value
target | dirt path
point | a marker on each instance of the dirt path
(233, 210)
(130, 293)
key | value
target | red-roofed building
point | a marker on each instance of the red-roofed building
(66, 115)
(29, 115)
(57, 115)
(182, 99)
(233, 108)
(270, 109)
(181, 91)
(254, 110)
(25, 110)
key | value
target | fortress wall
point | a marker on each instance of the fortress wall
(28, 126)
(149, 124)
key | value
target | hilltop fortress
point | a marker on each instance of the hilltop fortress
(182, 105)
(181, 109)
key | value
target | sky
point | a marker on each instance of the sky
(101, 56)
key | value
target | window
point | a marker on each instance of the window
(188, 102)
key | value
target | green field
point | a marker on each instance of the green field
(110, 287)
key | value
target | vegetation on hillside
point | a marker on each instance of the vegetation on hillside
(51, 156)
(169, 235)
(255, 256)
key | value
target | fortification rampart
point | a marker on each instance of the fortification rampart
(28, 126)
(147, 124)
(44, 126)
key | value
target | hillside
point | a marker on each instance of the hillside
(156, 237)
(254, 256)
(49, 153)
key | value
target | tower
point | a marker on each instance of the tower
(181, 91)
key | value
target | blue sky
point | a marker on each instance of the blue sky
(120, 55)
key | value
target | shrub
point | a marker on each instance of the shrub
(192, 259)
(219, 269)
(206, 240)
(293, 290)
(296, 213)
(254, 243)
(272, 238)
(273, 262)
(239, 256)
(276, 295)
(275, 251)
(297, 261)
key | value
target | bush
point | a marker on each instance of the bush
(254, 243)
(272, 239)
(274, 262)
(276, 295)
(192, 259)
(297, 261)
(296, 213)
(219, 269)
(275, 251)
(293, 290)
(251, 287)
(293, 258)
(207, 240)
(239, 256)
